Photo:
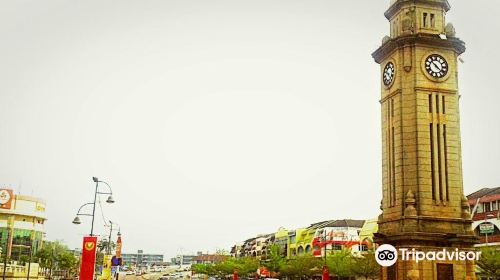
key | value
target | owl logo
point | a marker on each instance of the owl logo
(89, 246)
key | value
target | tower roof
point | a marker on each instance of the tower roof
(396, 5)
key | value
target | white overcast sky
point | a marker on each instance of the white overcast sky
(214, 121)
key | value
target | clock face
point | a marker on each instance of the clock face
(436, 66)
(389, 73)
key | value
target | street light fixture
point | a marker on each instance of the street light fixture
(77, 221)
(110, 199)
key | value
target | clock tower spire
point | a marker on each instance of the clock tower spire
(423, 205)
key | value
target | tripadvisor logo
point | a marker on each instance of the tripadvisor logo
(387, 255)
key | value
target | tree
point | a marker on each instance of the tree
(366, 266)
(247, 266)
(225, 268)
(302, 267)
(275, 261)
(341, 263)
(489, 263)
(201, 268)
(56, 255)
(244, 266)
(102, 245)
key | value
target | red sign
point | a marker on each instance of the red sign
(6, 196)
(325, 275)
(264, 272)
(87, 266)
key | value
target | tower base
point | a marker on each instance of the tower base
(450, 264)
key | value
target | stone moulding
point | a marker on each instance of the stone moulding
(426, 39)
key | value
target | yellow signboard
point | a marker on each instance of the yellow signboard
(40, 207)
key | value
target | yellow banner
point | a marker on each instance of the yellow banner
(106, 267)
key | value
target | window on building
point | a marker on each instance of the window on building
(494, 205)
(363, 248)
(300, 251)
(336, 247)
(433, 20)
(480, 208)
(424, 20)
(487, 206)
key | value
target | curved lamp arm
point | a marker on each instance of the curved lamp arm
(109, 187)
(79, 214)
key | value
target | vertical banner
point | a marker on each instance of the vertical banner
(87, 266)
(106, 267)
(119, 247)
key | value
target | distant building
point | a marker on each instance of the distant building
(336, 235)
(485, 205)
(22, 220)
(208, 259)
(183, 260)
(142, 259)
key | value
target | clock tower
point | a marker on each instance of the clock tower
(423, 205)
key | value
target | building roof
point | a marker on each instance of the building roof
(484, 192)
(338, 223)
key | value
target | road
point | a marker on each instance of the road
(153, 276)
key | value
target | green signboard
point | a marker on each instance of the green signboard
(486, 228)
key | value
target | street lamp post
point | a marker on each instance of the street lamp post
(324, 242)
(5, 255)
(325, 273)
(109, 239)
(109, 249)
(109, 200)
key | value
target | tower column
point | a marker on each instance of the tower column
(423, 204)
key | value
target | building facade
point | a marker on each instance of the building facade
(336, 235)
(142, 259)
(183, 260)
(423, 203)
(485, 205)
(22, 224)
(316, 240)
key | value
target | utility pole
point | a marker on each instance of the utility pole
(29, 262)
(324, 241)
(109, 239)
(5, 255)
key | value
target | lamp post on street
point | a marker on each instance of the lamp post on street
(109, 200)
(325, 274)
(109, 249)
